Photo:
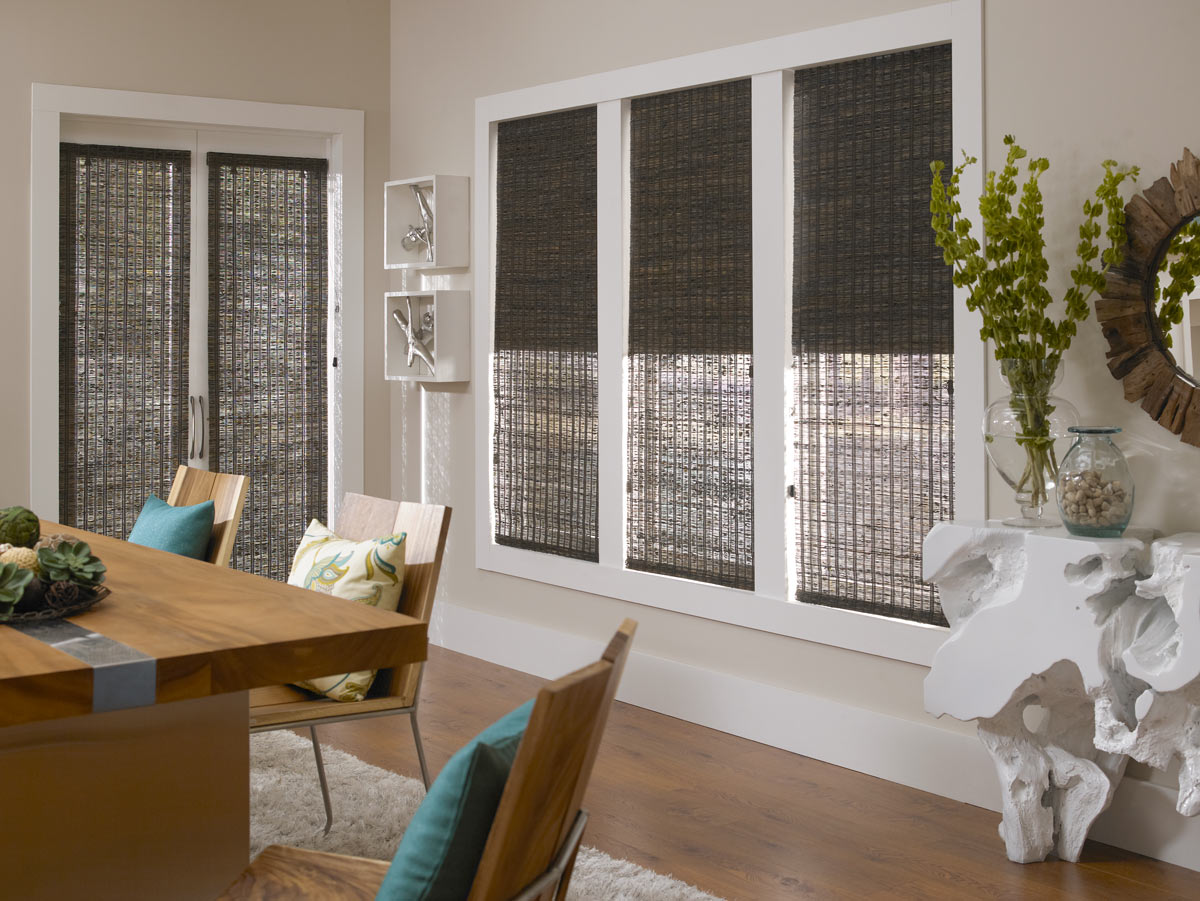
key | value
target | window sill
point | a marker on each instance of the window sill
(866, 633)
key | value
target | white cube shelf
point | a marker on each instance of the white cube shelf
(448, 201)
(446, 315)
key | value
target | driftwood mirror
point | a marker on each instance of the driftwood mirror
(1154, 361)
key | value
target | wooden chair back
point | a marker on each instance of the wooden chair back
(427, 526)
(228, 494)
(545, 789)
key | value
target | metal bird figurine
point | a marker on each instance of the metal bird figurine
(416, 346)
(423, 235)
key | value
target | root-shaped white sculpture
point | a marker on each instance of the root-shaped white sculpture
(1074, 655)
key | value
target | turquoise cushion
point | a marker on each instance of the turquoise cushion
(180, 530)
(443, 843)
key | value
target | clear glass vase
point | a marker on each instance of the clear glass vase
(1026, 432)
(1095, 493)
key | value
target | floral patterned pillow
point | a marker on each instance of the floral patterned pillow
(369, 572)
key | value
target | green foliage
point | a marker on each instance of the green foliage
(71, 562)
(19, 527)
(1182, 263)
(1007, 283)
(13, 580)
(1007, 277)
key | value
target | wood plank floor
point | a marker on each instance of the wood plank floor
(746, 821)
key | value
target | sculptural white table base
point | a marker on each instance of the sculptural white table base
(1074, 655)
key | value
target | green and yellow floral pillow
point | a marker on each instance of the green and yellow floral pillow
(369, 572)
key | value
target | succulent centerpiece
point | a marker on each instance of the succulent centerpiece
(44, 576)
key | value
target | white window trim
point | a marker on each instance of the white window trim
(343, 128)
(771, 607)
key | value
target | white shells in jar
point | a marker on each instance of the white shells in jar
(1088, 499)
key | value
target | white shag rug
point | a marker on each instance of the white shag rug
(371, 808)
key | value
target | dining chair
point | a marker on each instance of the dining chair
(396, 690)
(535, 835)
(228, 494)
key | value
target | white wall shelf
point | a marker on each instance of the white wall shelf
(448, 202)
(443, 319)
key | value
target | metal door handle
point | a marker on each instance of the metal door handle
(200, 401)
(191, 426)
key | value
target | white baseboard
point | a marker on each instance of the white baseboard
(1142, 817)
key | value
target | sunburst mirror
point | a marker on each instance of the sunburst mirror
(1145, 310)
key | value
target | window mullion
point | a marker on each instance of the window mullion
(612, 266)
(770, 178)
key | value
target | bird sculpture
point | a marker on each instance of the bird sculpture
(418, 236)
(415, 335)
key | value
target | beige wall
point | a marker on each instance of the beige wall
(311, 52)
(1058, 74)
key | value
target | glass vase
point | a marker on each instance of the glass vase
(1025, 433)
(1095, 493)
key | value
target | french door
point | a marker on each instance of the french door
(194, 325)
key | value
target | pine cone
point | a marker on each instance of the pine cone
(60, 595)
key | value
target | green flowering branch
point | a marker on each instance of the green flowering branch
(1006, 280)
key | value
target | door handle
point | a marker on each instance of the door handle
(191, 426)
(200, 401)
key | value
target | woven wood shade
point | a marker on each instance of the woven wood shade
(124, 238)
(268, 317)
(544, 365)
(691, 480)
(872, 332)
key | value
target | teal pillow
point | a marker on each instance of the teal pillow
(441, 848)
(180, 530)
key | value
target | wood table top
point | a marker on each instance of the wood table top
(209, 630)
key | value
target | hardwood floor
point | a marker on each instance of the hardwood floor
(746, 821)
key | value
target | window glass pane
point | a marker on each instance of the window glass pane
(872, 332)
(544, 362)
(691, 480)
(125, 231)
(267, 326)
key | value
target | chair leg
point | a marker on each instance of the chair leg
(420, 749)
(565, 881)
(321, 776)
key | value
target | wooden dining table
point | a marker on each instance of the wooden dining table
(124, 745)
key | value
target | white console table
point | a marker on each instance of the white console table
(1074, 655)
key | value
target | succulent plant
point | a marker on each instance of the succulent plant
(71, 562)
(13, 580)
(24, 557)
(19, 526)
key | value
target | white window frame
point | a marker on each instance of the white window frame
(772, 606)
(54, 105)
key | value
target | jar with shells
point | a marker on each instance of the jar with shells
(1095, 489)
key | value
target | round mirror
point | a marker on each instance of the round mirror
(1175, 300)
(1146, 309)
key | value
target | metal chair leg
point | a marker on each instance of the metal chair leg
(420, 748)
(321, 776)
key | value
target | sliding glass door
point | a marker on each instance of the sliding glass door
(268, 319)
(125, 256)
(194, 324)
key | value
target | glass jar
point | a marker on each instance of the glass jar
(1095, 489)
(1025, 432)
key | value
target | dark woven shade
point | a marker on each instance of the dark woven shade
(268, 316)
(544, 364)
(124, 239)
(691, 479)
(872, 332)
